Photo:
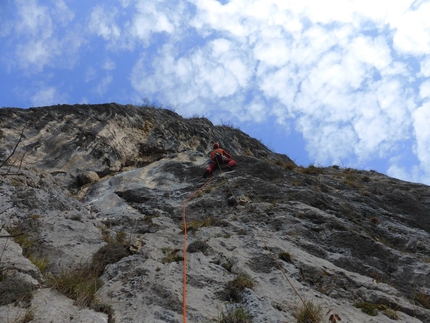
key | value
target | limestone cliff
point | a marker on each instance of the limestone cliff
(100, 189)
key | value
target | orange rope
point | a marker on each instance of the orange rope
(184, 299)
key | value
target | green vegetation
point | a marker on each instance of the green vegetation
(121, 236)
(171, 255)
(372, 309)
(198, 246)
(239, 315)
(285, 256)
(40, 262)
(25, 241)
(368, 308)
(22, 234)
(82, 283)
(235, 287)
(227, 266)
(196, 224)
(365, 179)
(109, 254)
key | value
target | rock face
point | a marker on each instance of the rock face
(105, 188)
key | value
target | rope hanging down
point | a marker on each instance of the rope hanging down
(184, 296)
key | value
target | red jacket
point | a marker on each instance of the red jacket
(220, 151)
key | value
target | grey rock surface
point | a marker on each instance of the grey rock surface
(51, 306)
(86, 178)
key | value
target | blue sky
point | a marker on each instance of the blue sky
(326, 82)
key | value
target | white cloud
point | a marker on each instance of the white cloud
(412, 30)
(62, 13)
(212, 16)
(371, 51)
(425, 66)
(125, 3)
(109, 64)
(212, 73)
(272, 47)
(412, 174)
(330, 143)
(46, 95)
(137, 22)
(150, 18)
(324, 12)
(34, 19)
(90, 74)
(40, 36)
(233, 60)
(256, 110)
(281, 85)
(421, 120)
(416, 172)
(396, 68)
(36, 53)
(102, 23)
(425, 90)
(35, 25)
(103, 85)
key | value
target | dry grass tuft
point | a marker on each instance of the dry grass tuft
(80, 284)
(234, 288)
(286, 165)
(309, 312)
(311, 170)
(422, 298)
(194, 225)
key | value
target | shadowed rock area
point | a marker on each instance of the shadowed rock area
(98, 191)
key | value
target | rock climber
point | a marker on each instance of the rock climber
(218, 157)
